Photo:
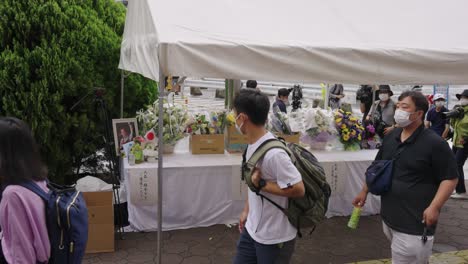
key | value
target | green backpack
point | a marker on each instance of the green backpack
(305, 212)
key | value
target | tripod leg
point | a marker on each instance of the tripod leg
(112, 162)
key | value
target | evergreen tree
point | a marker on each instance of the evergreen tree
(52, 53)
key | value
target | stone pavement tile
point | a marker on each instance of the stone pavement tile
(196, 260)
(135, 236)
(175, 247)
(146, 245)
(121, 261)
(447, 259)
(171, 258)
(450, 222)
(125, 244)
(202, 250)
(461, 240)
(441, 248)
(454, 230)
(154, 235)
(221, 259)
(137, 257)
(114, 256)
(91, 260)
(383, 261)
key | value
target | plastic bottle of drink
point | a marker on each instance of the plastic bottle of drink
(131, 159)
(354, 219)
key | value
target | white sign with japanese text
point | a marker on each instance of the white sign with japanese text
(143, 186)
(335, 173)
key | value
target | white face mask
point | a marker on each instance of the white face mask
(464, 101)
(440, 103)
(384, 97)
(402, 118)
(238, 127)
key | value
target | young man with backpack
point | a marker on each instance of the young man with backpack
(267, 236)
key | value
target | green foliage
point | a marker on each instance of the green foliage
(52, 53)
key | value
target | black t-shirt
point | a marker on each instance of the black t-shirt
(437, 120)
(424, 163)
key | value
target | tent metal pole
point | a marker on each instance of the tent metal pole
(122, 84)
(327, 95)
(160, 162)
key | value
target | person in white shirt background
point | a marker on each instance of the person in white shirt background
(267, 236)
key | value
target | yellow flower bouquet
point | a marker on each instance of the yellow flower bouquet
(350, 129)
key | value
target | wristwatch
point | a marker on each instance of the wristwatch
(261, 184)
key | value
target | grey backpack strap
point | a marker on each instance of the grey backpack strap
(249, 166)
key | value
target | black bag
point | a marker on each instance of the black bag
(379, 175)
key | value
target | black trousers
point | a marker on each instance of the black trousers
(460, 155)
(2, 258)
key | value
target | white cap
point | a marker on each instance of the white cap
(438, 96)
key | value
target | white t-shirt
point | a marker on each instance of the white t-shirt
(266, 224)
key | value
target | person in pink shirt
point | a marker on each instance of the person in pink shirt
(24, 236)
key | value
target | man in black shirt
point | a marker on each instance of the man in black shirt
(425, 174)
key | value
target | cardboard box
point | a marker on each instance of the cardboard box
(235, 142)
(101, 222)
(207, 144)
(294, 138)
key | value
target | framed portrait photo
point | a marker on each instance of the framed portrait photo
(125, 130)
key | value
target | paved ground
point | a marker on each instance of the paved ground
(332, 242)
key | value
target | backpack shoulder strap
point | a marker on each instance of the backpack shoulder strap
(264, 148)
(33, 187)
(248, 167)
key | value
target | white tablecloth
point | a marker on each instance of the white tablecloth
(203, 190)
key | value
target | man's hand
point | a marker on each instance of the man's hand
(462, 141)
(360, 199)
(430, 216)
(388, 130)
(445, 135)
(256, 176)
(243, 220)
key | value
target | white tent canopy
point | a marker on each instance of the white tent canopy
(395, 42)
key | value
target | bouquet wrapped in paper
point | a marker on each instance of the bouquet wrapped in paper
(319, 129)
(207, 123)
(175, 119)
(279, 123)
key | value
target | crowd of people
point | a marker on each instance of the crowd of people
(426, 173)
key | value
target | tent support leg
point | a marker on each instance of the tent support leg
(122, 85)
(160, 163)
(327, 95)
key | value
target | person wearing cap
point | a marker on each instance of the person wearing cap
(435, 119)
(281, 100)
(383, 111)
(460, 144)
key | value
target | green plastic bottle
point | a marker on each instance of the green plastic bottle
(138, 152)
(354, 219)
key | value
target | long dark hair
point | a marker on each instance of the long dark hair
(20, 159)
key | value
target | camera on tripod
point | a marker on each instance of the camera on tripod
(364, 94)
(457, 113)
(296, 96)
